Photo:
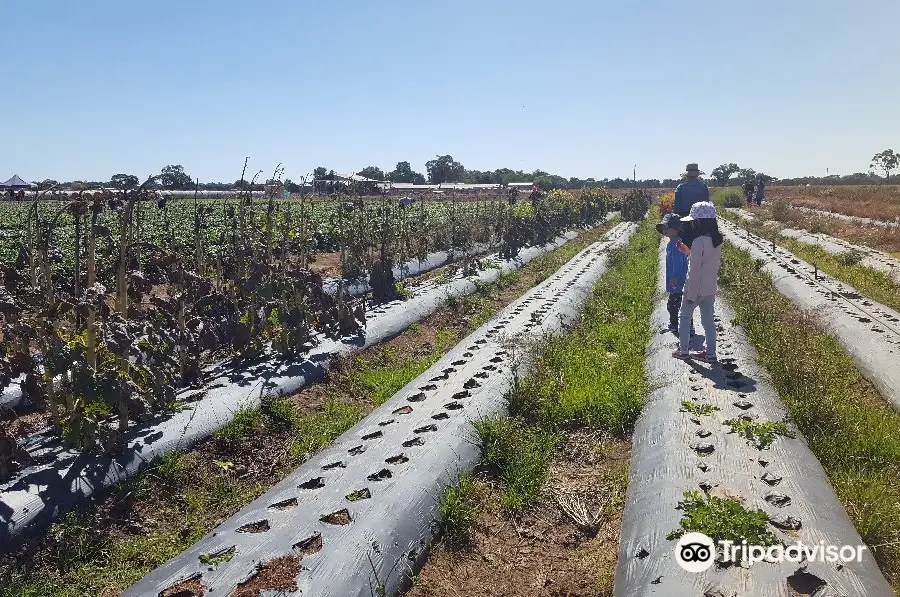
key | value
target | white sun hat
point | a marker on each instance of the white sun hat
(702, 210)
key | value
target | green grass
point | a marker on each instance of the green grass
(728, 198)
(245, 422)
(317, 430)
(853, 432)
(380, 380)
(722, 519)
(519, 456)
(591, 377)
(594, 376)
(458, 510)
(83, 559)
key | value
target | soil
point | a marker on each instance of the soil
(327, 264)
(187, 588)
(275, 575)
(543, 553)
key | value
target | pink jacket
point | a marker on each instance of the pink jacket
(703, 269)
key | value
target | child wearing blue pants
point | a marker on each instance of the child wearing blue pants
(676, 266)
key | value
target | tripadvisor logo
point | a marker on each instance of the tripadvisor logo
(696, 552)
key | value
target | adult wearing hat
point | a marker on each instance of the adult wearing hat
(691, 191)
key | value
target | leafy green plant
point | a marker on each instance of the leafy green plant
(763, 434)
(698, 409)
(722, 519)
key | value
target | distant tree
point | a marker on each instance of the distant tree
(292, 187)
(724, 172)
(124, 181)
(444, 169)
(746, 173)
(404, 173)
(373, 172)
(886, 161)
(46, 184)
(174, 177)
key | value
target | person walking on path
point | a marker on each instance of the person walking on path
(676, 266)
(690, 191)
(748, 192)
(760, 194)
(702, 243)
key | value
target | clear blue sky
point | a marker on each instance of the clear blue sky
(578, 88)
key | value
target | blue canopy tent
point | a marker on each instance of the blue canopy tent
(15, 183)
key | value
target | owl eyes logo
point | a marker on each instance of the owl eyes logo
(695, 552)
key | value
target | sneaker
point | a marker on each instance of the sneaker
(681, 354)
(702, 356)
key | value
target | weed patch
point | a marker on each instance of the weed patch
(458, 510)
(761, 434)
(722, 519)
(698, 409)
(518, 456)
(245, 422)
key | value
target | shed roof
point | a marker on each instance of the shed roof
(15, 183)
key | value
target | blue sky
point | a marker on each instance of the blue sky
(578, 88)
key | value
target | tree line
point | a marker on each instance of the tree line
(445, 169)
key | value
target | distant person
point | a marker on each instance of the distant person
(701, 241)
(748, 191)
(406, 201)
(690, 191)
(760, 195)
(676, 267)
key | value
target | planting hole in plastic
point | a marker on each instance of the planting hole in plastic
(373, 435)
(260, 526)
(398, 459)
(284, 504)
(314, 483)
(340, 518)
(310, 545)
(403, 410)
(380, 475)
(189, 587)
(359, 494)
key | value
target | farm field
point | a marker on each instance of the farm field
(540, 483)
(875, 202)
(881, 238)
(526, 221)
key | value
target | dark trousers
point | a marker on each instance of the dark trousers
(674, 307)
